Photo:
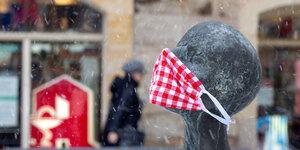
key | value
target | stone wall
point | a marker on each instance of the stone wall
(117, 44)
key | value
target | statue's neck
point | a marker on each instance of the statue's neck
(203, 132)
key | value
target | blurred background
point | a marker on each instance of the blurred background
(90, 40)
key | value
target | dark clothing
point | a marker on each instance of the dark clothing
(125, 109)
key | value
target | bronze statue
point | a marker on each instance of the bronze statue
(229, 68)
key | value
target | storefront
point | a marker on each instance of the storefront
(279, 53)
(42, 40)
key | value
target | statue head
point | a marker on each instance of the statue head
(224, 61)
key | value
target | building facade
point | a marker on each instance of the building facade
(47, 39)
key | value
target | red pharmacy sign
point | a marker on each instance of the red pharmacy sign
(62, 115)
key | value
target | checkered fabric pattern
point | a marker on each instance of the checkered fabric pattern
(173, 84)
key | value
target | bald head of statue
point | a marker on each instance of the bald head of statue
(224, 61)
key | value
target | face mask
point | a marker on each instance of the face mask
(174, 85)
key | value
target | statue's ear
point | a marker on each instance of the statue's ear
(181, 52)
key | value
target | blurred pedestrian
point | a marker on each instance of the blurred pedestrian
(125, 109)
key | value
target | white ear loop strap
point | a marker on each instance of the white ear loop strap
(226, 120)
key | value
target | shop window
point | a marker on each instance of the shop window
(35, 15)
(10, 92)
(278, 27)
(79, 60)
(50, 60)
(280, 56)
(72, 18)
(282, 22)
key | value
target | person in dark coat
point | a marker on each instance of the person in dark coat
(125, 108)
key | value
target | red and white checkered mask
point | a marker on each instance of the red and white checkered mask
(174, 85)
